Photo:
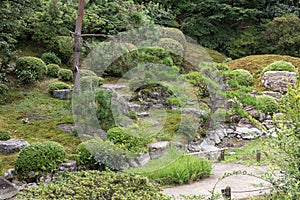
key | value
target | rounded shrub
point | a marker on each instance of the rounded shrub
(86, 72)
(175, 34)
(63, 47)
(30, 69)
(65, 75)
(39, 157)
(58, 86)
(53, 70)
(171, 45)
(90, 82)
(240, 77)
(98, 154)
(280, 66)
(267, 104)
(4, 134)
(50, 58)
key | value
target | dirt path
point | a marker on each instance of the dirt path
(238, 183)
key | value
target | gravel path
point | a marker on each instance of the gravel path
(238, 183)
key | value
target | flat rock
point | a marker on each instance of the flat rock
(275, 95)
(7, 189)
(194, 112)
(12, 145)
(62, 94)
(70, 166)
(157, 149)
(278, 80)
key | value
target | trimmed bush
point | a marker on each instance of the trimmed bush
(4, 135)
(90, 82)
(97, 154)
(58, 86)
(65, 75)
(63, 47)
(53, 70)
(86, 72)
(240, 77)
(39, 157)
(184, 170)
(50, 58)
(267, 104)
(125, 141)
(280, 66)
(96, 185)
(30, 69)
(171, 45)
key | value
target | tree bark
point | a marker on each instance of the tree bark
(77, 34)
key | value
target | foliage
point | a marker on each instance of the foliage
(4, 134)
(171, 45)
(90, 82)
(50, 58)
(197, 80)
(65, 75)
(3, 88)
(53, 70)
(104, 109)
(240, 77)
(39, 157)
(86, 72)
(126, 141)
(183, 170)
(62, 46)
(96, 185)
(280, 66)
(267, 104)
(58, 86)
(30, 69)
(97, 153)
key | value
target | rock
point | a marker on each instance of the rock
(9, 174)
(180, 146)
(113, 86)
(278, 80)
(268, 124)
(133, 107)
(248, 133)
(157, 149)
(140, 160)
(210, 151)
(62, 94)
(245, 122)
(45, 178)
(12, 145)
(194, 112)
(143, 114)
(275, 95)
(7, 189)
(70, 166)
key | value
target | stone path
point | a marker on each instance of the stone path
(238, 183)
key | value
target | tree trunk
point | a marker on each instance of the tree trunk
(77, 35)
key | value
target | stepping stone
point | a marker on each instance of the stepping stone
(62, 94)
(12, 145)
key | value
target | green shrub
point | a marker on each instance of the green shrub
(39, 157)
(267, 104)
(96, 185)
(58, 86)
(125, 141)
(183, 170)
(4, 134)
(30, 69)
(240, 77)
(53, 70)
(50, 58)
(86, 72)
(280, 66)
(197, 80)
(171, 45)
(3, 88)
(90, 82)
(65, 75)
(97, 154)
(63, 47)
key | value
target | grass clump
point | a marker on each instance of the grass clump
(39, 157)
(96, 185)
(4, 134)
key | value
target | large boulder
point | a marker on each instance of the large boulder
(12, 145)
(7, 189)
(278, 80)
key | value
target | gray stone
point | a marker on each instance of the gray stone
(179, 145)
(275, 95)
(143, 114)
(210, 151)
(70, 166)
(278, 80)
(63, 94)
(245, 122)
(45, 178)
(7, 189)
(134, 107)
(268, 124)
(113, 86)
(9, 174)
(12, 145)
(157, 149)
(248, 133)
(194, 112)
(140, 160)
